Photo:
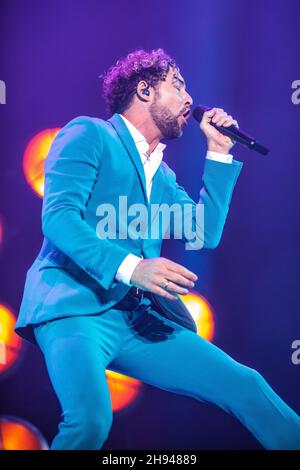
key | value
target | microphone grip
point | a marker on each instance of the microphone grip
(232, 131)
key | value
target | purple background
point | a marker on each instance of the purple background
(241, 56)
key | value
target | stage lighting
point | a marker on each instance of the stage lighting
(202, 313)
(34, 156)
(18, 434)
(10, 342)
(123, 390)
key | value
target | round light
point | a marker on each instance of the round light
(17, 434)
(123, 390)
(34, 156)
(10, 342)
(202, 313)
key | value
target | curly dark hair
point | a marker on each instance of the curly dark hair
(121, 80)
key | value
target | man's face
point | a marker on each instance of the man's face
(170, 105)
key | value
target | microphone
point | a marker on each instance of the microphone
(233, 132)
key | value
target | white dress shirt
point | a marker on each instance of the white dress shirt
(151, 163)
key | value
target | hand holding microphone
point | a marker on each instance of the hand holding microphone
(222, 131)
(216, 141)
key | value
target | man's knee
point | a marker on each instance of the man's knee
(241, 389)
(250, 382)
(86, 430)
(95, 429)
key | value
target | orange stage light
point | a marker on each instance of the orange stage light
(17, 434)
(10, 342)
(202, 313)
(123, 390)
(34, 156)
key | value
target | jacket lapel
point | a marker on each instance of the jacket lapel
(125, 136)
(159, 180)
(159, 184)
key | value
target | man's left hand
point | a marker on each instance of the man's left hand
(216, 141)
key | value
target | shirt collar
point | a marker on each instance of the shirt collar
(141, 141)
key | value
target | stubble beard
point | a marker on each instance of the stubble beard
(165, 120)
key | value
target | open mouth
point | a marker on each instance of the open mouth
(186, 115)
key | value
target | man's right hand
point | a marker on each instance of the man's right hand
(151, 274)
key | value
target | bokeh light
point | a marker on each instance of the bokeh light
(34, 157)
(18, 434)
(202, 313)
(10, 342)
(123, 390)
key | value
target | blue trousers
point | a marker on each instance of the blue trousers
(146, 346)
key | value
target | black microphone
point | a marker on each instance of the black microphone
(232, 131)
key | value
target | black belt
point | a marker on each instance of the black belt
(136, 292)
(132, 299)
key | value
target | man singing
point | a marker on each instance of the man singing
(93, 303)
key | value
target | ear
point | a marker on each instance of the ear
(144, 91)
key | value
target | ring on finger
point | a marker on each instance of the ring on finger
(165, 285)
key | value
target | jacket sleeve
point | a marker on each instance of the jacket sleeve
(203, 222)
(71, 170)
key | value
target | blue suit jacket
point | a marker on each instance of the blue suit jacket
(93, 161)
